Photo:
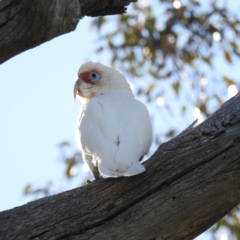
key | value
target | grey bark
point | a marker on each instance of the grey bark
(191, 182)
(25, 24)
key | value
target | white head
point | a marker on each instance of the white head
(95, 79)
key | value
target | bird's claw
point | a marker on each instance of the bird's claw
(96, 179)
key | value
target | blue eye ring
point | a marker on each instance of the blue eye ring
(94, 77)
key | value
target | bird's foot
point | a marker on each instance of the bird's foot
(96, 179)
(89, 181)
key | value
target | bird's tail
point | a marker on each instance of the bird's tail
(135, 169)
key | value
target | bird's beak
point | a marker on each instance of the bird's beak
(75, 90)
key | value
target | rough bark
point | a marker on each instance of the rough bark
(25, 24)
(191, 182)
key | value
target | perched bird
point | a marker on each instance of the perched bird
(113, 130)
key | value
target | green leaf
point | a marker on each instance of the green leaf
(124, 17)
(227, 56)
(176, 87)
(27, 189)
(228, 81)
(98, 22)
(207, 60)
(234, 46)
(150, 88)
(218, 99)
(171, 133)
(184, 108)
(203, 108)
(38, 190)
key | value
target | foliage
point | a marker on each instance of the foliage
(174, 41)
(178, 42)
(171, 50)
(230, 223)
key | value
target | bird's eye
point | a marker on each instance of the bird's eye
(94, 77)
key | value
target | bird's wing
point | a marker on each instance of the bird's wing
(116, 131)
(96, 131)
(135, 136)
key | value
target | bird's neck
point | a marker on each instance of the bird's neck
(120, 89)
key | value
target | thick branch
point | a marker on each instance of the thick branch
(95, 8)
(191, 182)
(25, 24)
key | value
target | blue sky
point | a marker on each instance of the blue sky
(37, 111)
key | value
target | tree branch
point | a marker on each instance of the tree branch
(191, 182)
(25, 24)
(104, 7)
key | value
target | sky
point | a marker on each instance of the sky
(37, 111)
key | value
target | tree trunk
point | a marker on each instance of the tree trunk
(191, 182)
(25, 24)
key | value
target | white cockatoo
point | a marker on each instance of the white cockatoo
(113, 130)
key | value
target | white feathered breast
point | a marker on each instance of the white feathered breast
(114, 129)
